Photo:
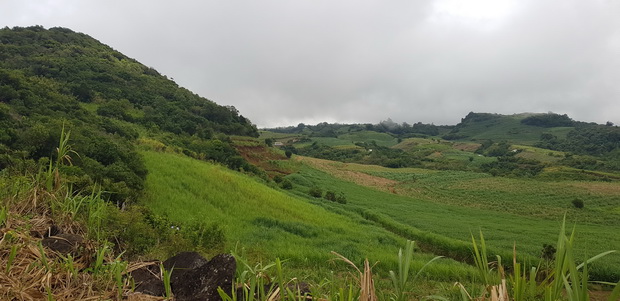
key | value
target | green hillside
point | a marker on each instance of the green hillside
(55, 78)
(269, 223)
(453, 204)
(484, 126)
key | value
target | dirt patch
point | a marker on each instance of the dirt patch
(435, 155)
(599, 188)
(339, 170)
(264, 158)
(468, 147)
(599, 295)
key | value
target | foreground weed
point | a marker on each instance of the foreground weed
(566, 276)
(524, 286)
(100, 254)
(165, 276)
(118, 268)
(50, 295)
(4, 215)
(482, 263)
(254, 280)
(567, 280)
(69, 264)
(43, 258)
(96, 214)
(615, 294)
(366, 283)
(399, 279)
(343, 294)
(11, 258)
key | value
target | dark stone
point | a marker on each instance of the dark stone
(148, 280)
(53, 230)
(300, 289)
(202, 283)
(193, 277)
(183, 263)
(63, 243)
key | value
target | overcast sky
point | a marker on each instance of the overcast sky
(282, 62)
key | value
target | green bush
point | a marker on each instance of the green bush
(204, 236)
(278, 179)
(578, 203)
(341, 198)
(315, 192)
(330, 196)
(286, 184)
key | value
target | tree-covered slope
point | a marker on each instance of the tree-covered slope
(55, 78)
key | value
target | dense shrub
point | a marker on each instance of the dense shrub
(548, 120)
(315, 192)
(338, 198)
(577, 203)
(286, 184)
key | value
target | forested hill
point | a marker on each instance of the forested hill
(50, 78)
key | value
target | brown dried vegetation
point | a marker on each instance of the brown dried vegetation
(29, 271)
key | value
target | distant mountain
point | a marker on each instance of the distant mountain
(549, 130)
(525, 128)
(394, 145)
(50, 78)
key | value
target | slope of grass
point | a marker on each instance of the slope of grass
(455, 204)
(508, 127)
(382, 139)
(267, 222)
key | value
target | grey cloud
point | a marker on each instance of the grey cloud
(284, 62)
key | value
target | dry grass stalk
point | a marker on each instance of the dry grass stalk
(29, 274)
(367, 292)
(499, 292)
(367, 284)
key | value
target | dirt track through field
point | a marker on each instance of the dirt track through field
(340, 171)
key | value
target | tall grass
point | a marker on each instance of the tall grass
(400, 278)
(440, 209)
(567, 281)
(268, 222)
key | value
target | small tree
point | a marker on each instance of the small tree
(278, 178)
(269, 142)
(578, 203)
(316, 192)
(288, 153)
(286, 184)
(341, 198)
(330, 196)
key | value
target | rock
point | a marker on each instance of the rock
(182, 263)
(201, 283)
(53, 230)
(300, 289)
(193, 277)
(64, 243)
(148, 280)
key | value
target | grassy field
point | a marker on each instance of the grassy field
(345, 140)
(509, 127)
(454, 204)
(269, 223)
